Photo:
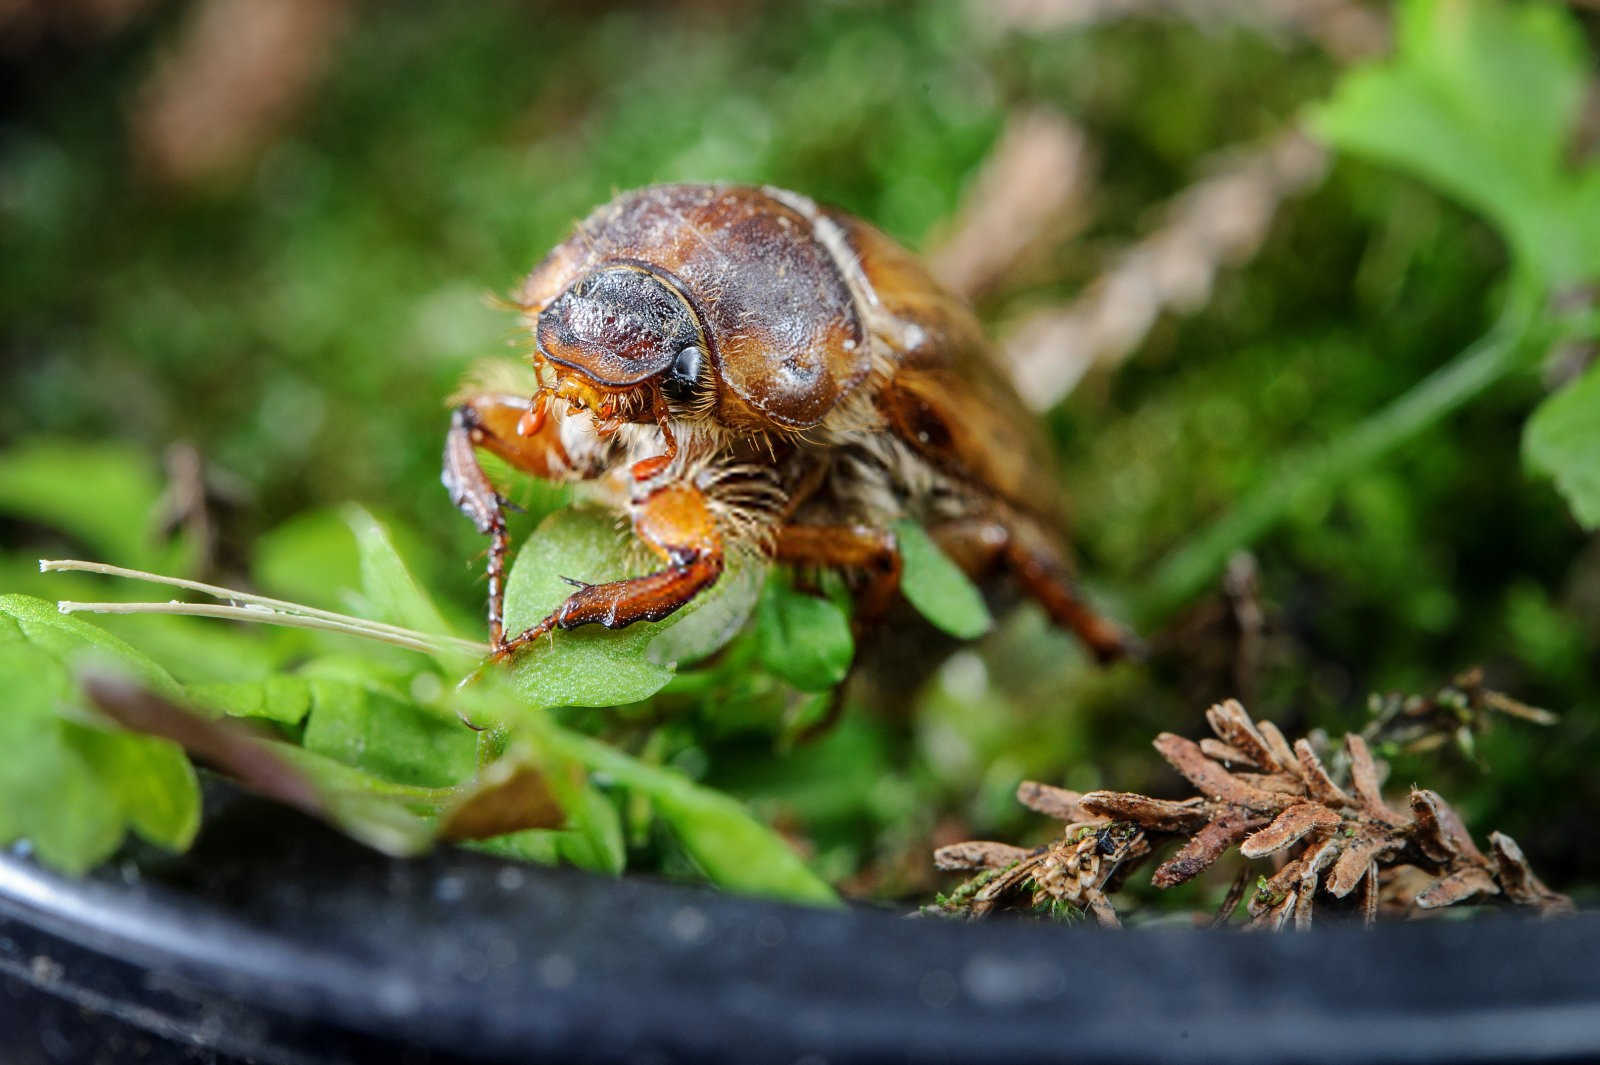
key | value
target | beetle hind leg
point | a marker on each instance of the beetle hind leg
(1040, 568)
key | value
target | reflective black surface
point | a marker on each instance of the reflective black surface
(277, 941)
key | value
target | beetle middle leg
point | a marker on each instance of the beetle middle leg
(677, 524)
(853, 546)
(980, 545)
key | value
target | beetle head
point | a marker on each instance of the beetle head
(618, 329)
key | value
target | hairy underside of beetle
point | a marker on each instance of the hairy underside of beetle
(859, 476)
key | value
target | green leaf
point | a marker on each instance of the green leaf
(312, 558)
(68, 785)
(593, 837)
(1562, 439)
(66, 638)
(1480, 100)
(393, 817)
(937, 587)
(394, 594)
(388, 584)
(709, 626)
(733, 849)
(541, 845)
(282, 699)
(803, 639)
(51, 797)
(103, 495)
(594, 666)
(391, 738)
(151, 781)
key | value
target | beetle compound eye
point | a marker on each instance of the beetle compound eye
(684, 375)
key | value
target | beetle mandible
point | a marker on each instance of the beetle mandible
(739, 368)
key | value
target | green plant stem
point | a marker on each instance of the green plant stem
(1195, 564)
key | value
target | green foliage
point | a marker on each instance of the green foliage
(1563, 441)
(382, 745)
(591, 666)
(389, 737)
(301, 321)
(311, 559)
(730, 847)
(937, 587)
(284, 699)
(801, 638)
(715, 617)
(103, 496)
(1482, 100)
(394, 594)
(71, 783)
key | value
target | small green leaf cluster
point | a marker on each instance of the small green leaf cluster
(382, 737)
(1483, 100)
(71, 785)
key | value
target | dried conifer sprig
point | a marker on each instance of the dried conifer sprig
(1077, 871)
(1270, 800)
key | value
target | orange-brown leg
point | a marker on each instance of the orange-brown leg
(676, 523)
(978, 545)
(859, 547)
(504, 425)
(850, 546)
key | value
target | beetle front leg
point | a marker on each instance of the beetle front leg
(507, 426)
(676, 523)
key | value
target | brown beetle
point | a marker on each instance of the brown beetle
(739, 368)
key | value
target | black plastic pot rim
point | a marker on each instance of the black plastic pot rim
(476, 960)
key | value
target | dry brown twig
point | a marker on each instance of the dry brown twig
(1078, 871)
(1270, 800)
(240, 71)
(1031, 192)
(1218, 221)
(1344, 29)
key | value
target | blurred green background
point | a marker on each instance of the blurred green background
(269, 231)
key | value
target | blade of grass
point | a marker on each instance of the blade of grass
(1192, 566)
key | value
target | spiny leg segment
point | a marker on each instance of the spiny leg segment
(676, 523)
(980, 544)
(501, 424)
(673, 519)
